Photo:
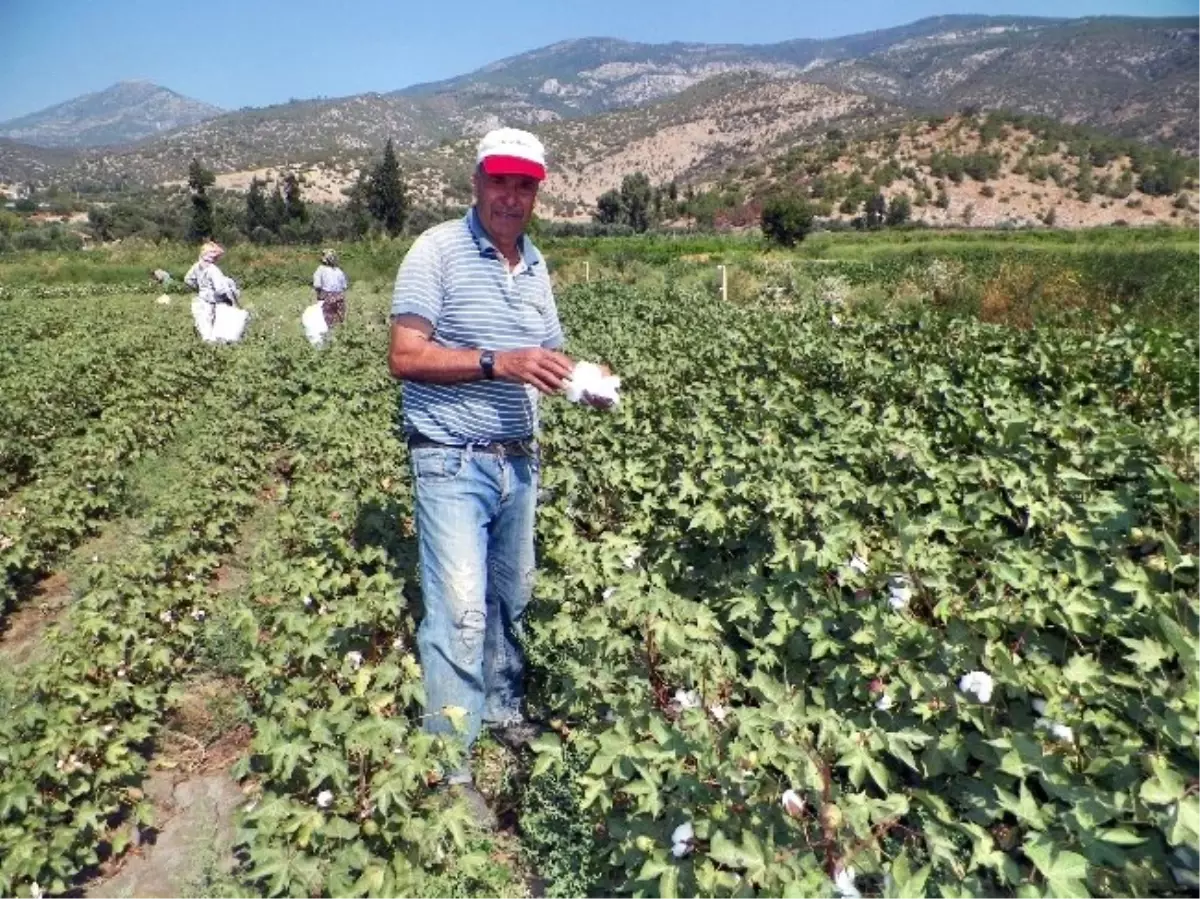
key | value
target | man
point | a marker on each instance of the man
(476, 338)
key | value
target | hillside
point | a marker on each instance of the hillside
(128, 111)
(993, 171)
(1135, 77)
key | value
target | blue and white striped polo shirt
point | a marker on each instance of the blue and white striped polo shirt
(456, 279)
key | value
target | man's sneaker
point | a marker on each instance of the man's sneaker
(517, 733)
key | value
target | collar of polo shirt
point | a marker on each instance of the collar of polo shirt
(529, 253)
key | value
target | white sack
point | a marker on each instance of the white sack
(313, 320)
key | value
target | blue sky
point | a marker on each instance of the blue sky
(236, 53)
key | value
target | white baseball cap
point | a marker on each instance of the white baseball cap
(511, 151)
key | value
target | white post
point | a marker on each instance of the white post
(724, 283)
(587, 271)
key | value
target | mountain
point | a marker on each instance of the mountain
(24, 163)
(1131, 77)
(126, 112)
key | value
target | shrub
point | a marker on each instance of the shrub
(786, 220)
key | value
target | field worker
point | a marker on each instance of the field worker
(329, 283)
(204, 276)
(160, 276)
(475, 338)
(214, 288)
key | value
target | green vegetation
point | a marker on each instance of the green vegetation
(890, 459)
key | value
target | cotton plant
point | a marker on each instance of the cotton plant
(686, 699)
(682, 839)
(1057, 729)
(899, 593)
(792, 802)
(719, 712)
(978, 684)
(843, 882)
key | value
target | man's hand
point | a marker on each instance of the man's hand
(544, 369)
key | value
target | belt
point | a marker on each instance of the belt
(526, 446)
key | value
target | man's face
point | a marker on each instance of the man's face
(505, 205)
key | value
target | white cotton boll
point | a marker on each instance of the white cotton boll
(1062, 732)
(355, 659)
(1039, 706)
(978, 684)
(884, 702)
(792, 803)
(589, 378)
(679, 850)
(630, 559)
(719, 712)
(1057, 730)
(843, 882)
(166, 617)
(899, 598)
(687, 699)
(608, 593)
(835, 320)
(858, 563)
(684, 833)
(325, 799)
(198, 614)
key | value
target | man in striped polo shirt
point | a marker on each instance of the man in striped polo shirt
(476, 338)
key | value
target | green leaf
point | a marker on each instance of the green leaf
(1065, 872)
(1185, 822)
(1147, 654)
(668, 883)
(1165, 787)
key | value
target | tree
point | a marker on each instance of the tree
(899, 210)
(874, 209)
(636, 201)
(199, 180)
(100, 221)
(358, 216)
(786, 219)
(258, 217)
(276, 210)
(387, 199)
(1085, 184)
(608, 208)
(293, 199)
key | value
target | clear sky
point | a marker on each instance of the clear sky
(235, 53)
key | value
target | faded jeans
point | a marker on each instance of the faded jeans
(474, 517)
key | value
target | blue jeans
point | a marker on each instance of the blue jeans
(474, 517)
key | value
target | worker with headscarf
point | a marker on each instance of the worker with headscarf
(329, 283)
(214, 288)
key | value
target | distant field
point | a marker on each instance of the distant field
(876, 466)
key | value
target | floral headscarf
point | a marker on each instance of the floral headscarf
(328, 257)
(211, 251)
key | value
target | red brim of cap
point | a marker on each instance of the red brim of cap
(513, 165)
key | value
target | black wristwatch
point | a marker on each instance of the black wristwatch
(487, 361)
